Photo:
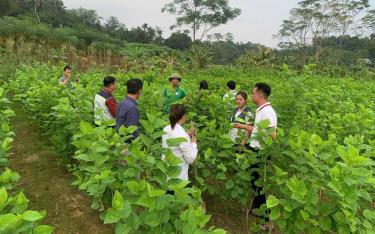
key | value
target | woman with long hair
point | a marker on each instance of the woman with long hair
(187, 150)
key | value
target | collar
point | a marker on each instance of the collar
(262, 106)
(131, 99)
(106, 91)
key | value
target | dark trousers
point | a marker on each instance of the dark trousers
(259, 199)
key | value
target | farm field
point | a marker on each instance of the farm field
(318, 175)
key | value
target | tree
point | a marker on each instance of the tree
(86, 17)
(346, 12)
(201, 15)
(369, 22)
(178, 41)
(113, 27)
(295, 34)
(314, 20)
(200, 56)
(8, 7)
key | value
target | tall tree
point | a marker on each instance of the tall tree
(314, 20)
(369, 22)
(201, 15)
(86, 17)
(8, 7)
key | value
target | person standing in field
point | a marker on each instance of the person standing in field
(241, 116)
(174, 92)
(65, 79)
(187, 151)
(264, 111)
(127, 110)
(231, 91)
(105, 104)
(203, 85)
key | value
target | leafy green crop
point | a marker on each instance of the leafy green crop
(14, 215)
(318, 175)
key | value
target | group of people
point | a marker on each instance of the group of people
(244, 121)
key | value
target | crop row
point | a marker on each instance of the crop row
(318, 175)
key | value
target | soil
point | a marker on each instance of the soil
(48, 185)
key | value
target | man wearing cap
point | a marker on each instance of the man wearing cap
(174, 92)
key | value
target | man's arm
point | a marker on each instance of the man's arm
(246, 127)
(64, 82)
(111, 105)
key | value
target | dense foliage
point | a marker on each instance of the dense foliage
(318, 179)
(14, 215)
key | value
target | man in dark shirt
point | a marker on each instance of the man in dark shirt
(127, 111)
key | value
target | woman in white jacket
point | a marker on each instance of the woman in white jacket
(187, 151)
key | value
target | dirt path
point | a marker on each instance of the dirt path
(47, 185)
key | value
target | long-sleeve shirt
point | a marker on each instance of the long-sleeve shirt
(186, 151)
(128, 115)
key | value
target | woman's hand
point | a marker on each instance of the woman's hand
(193, 138)
(246, 127)
(192, 131)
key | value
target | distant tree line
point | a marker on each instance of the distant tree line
(319, 32)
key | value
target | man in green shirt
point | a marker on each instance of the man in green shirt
(174, 92)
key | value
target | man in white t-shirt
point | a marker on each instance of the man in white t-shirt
(264, 111)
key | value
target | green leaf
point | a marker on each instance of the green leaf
(3, 197)
(112, 216)
(151, 219)
(272, 201)
(43, 229)
(316, 140)
(85, 157)
(219, 231)
(86, 128)
(370, 215)
(298, 189)
(305, 215)
(152, 192)
(174, 171)
(117, 201)
(122, 229)
(173, 142)
(180, 185)
(171, 159)
(9, 222)
(136, 187)
(33, 216)
(229, 184)
(275, 213)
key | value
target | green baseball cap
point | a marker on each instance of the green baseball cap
(175, 75)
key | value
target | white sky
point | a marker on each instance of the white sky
(258, 22)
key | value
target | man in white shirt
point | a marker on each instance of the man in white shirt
(261, 92)
(264, 111)
(105, 104)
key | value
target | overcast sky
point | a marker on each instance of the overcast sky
(259, 21)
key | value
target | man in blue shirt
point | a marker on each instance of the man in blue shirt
(127, 111)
